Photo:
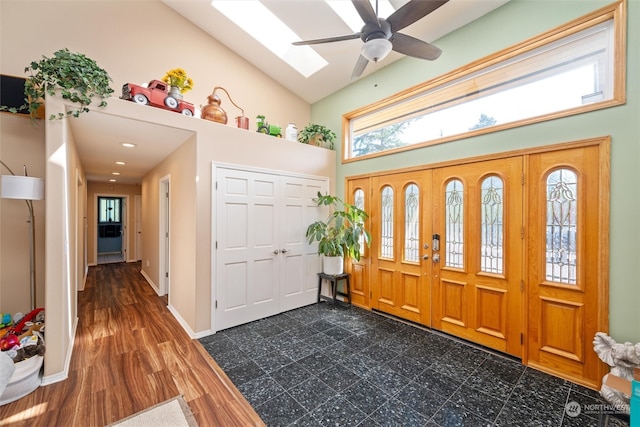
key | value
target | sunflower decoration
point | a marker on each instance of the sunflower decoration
(178, 78)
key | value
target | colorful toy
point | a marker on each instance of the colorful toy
(5, 320)
(11, 339)
(156, 94)
(264, 127)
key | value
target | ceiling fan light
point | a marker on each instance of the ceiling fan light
(376, 49)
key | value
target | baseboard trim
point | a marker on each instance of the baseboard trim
(64, 374)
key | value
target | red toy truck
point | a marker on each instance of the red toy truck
(156, 95)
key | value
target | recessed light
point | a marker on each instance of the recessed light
(128, 145)
(115, 173)
(120, 163)
(113, 180)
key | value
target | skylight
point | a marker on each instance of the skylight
(348, 13)
(261, 24)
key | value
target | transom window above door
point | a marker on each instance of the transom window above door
(569, 70)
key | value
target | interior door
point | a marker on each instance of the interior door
(137, 225)
(400, 222)
(568, 262)
(247, 227)
(299, 262)
(478, 273)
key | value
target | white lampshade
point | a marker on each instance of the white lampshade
(376, 49)
(21, 187)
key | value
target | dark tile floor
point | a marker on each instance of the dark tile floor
(344, 366)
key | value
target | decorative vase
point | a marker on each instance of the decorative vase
(332, 265)
(175, 92)
(212, 111)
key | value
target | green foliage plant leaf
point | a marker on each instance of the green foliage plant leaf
(343, 232)
(308, 134)
(78, 79)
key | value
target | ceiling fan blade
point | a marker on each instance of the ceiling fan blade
(327, 40)
(365, 10)
(412, 12)
(411, 46)
(359, 68)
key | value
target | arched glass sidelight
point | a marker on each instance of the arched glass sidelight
(386, 234)
(454, 224)
(411, 223)
(492, 225)
(562, 226)
(358, 201)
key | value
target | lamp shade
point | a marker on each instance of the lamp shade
(376, 49)
(21, 187)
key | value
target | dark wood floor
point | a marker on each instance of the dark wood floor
(129, 354)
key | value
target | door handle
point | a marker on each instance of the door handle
(425, 256)
(276, 252)
(436, 257)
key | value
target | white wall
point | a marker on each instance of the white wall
(131, 42)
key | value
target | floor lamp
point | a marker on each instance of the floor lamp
(25, 188)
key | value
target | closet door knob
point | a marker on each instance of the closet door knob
(276, 252)
(284, 251)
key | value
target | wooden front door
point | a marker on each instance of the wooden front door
(477, 281)
(567, 261)
(400, 224)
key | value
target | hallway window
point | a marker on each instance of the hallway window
(108, 209)
(454, 239)
(411, 223)
(562, 226)
(492, 225)
(386, 237)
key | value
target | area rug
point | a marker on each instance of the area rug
(171, 413)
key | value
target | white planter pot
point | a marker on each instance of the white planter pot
(332, 265)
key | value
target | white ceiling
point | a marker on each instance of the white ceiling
(313, 19)
(99, 135)
(99, 139)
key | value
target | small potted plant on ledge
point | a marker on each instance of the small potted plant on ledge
(317, 135)
(77, 78)
(341, 234)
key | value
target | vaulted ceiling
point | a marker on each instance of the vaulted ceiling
(313, 19)
(310, 19)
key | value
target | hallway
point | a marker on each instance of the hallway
(130, 353)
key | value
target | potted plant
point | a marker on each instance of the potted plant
(317, 135)
(78, 78)
(341, 234)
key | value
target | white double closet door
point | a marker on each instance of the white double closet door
(264, 265)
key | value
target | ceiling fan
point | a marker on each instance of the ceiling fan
(380, 35)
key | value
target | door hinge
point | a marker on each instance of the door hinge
(522, 232)
(216, 185)
(521, 338)
(216, 244)
(166, 274)
(522, 178)
(370, 294)
(521, 285)
(216, 303)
